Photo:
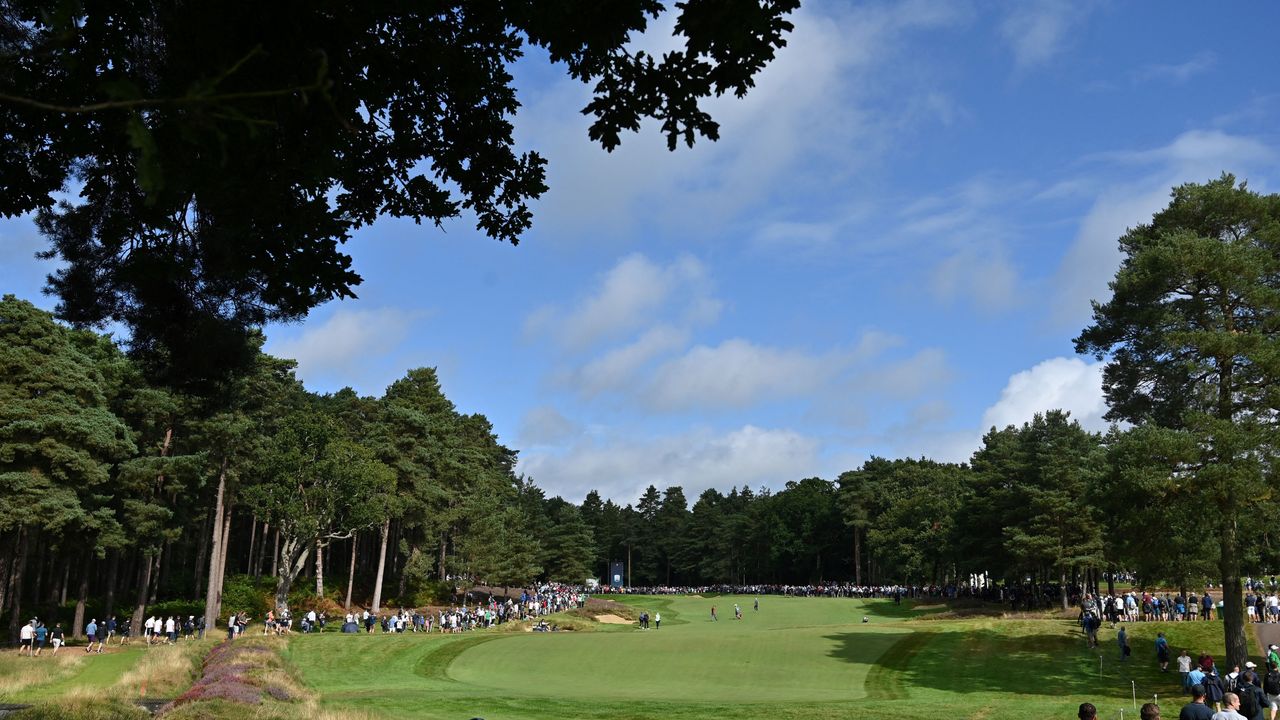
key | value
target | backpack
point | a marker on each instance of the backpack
(1249, 706)
(1212, 688)
(1271, 683)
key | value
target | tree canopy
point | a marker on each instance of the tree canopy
(1191, 336)
(221, 154)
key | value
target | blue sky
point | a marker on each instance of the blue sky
(888, 251)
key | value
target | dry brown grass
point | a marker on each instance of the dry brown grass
(18, 673)
(165, 671)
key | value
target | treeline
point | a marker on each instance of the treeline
(1042, 506)
(123, 493)
(120, 493)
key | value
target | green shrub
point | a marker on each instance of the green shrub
(245, 593)
(176, 608)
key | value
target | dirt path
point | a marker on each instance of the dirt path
(1266, 634)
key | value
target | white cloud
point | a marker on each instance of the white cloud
(630, 295)
(737, 374)
(830, 103)
(1037, 30)
(346, 343)
(988, 279)
(617, 369)
(1062, 383)
(1177, 73)
(908, 378)
(621, 467)
(1094, 256)
(544, 425)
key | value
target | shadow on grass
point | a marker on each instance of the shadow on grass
(983, 660)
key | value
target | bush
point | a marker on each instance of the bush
(245, 593)
(176, 608)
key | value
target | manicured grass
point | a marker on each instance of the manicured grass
(795, 658)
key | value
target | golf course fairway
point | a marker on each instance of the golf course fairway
(795, 657)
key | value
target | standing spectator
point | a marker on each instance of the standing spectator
(1271, 686)
(1087, 712)
(1150, 711)
(1207, 602)
(1215, 692)
(1196, 709)
(1252, 699)
(1232, 702)
(1184, 669)
(26, 636)
(56, 638)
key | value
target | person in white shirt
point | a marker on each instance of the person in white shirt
(26, 638)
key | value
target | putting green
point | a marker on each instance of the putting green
(795, 658)
(780, 654)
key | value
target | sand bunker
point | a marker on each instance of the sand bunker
(612, 620)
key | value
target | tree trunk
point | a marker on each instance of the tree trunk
(144, 584)
(319, 569)
(262, 551)
(351, 572)
(1062, 574)
(404, 579)
(444, 544)
(15, 584)
(222, 560)
(202, 554)
(82, 596)
(382, 565)
(857, 556)
(113, 574)
(213, 595)
(275, 555)
(1232, 592)
(42, 554)
(66, 580)
(253, 541)
(8, 558)
(293, 556)
(155, 574)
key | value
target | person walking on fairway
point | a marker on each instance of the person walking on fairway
(1122, 639)
(737, 612)
(713, 614)
(757, 605)
(657, 624)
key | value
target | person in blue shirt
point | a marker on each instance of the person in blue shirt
(1162, 652)
(42, 634)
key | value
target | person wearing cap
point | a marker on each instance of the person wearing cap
(1196, 709)
(1271, 686)
(1248, 688)
(1273, 654)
